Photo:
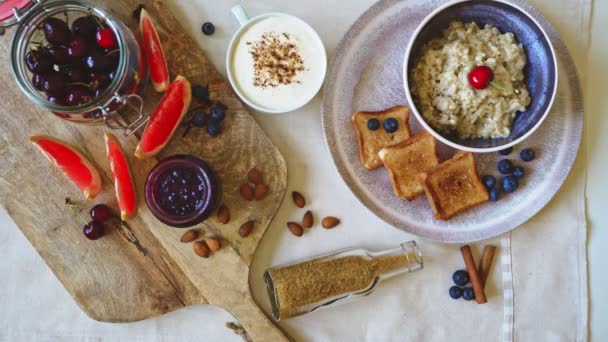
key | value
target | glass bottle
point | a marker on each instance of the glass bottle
(122, 90)
(335, 278)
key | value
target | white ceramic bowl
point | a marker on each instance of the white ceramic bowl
(246, 23)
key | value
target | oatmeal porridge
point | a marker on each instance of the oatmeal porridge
(441, 89)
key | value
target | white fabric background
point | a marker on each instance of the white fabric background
(34, 305)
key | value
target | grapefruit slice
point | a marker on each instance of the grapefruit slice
(123, 178)
(73, 164)
(157, 64)
(165, 118)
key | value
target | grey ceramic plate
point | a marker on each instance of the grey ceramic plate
(365, 74)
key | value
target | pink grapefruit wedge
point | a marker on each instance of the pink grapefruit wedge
(73, 164)
(157, 64)
(123, 178)
(165, 118)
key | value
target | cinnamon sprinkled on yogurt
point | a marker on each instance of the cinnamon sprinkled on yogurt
(276, 60)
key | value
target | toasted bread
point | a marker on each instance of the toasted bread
(405, 161)
(370, 142)
(454, 186)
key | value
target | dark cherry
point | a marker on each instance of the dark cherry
(56, 31)
(105, 38)
(78, 47)
(481, 77)
(101, 213)
(93, 230)
(59, 54)
(77, 94)
(57, 100)
(85, 27)
(37, 81)
(54, 83)
(98, 91)
(38, 60)
(99, 62)
(78, 74)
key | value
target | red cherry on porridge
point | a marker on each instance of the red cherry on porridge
(105, 38)
(481, 77)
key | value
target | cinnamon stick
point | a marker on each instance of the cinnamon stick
(486, 263)
(480, 295)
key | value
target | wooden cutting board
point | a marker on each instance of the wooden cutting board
(142, 270)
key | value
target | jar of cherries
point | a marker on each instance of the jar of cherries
(75, 60)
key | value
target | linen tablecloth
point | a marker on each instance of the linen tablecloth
(537, 289)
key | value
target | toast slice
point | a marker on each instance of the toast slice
(371, 142)
(405, 161)
(454, 186)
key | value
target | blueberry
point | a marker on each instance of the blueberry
(455, 292)
(505, 167)
(518, 172)
(214, 129)
(460, 277)
(218, 113)
(506, 151)
(373, 124)
(494, 194)
(527, 154)
(509, 184)
(468, 293)
(199, 117)
(391, 125)
(200, 92)
(489, 181)
(208, 28)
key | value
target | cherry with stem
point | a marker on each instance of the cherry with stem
(483, 76)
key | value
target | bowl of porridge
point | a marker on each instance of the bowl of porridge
(480, 75)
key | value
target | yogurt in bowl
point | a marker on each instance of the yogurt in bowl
(276, 62)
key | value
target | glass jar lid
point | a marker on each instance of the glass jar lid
(12, 11)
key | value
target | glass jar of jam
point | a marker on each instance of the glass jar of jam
(119, 92)
(182, 191)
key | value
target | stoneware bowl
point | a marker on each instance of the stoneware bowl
(540, 71)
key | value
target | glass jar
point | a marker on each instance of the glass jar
(335, 278)
(121, 92)
(182, 191)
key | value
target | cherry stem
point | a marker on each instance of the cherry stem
(111, 52)
(88, 85)
(501, 87)
(75, 209)
(96, 20)
(187, 128)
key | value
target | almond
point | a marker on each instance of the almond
(223, 214)
(295, 229)
(214, 243)
(255, 176)
(330, 222)
(246, 229)
(298, 199)
(307, 220)
(246, 191)
(201, 249)
(189, 236)
(261, 190)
